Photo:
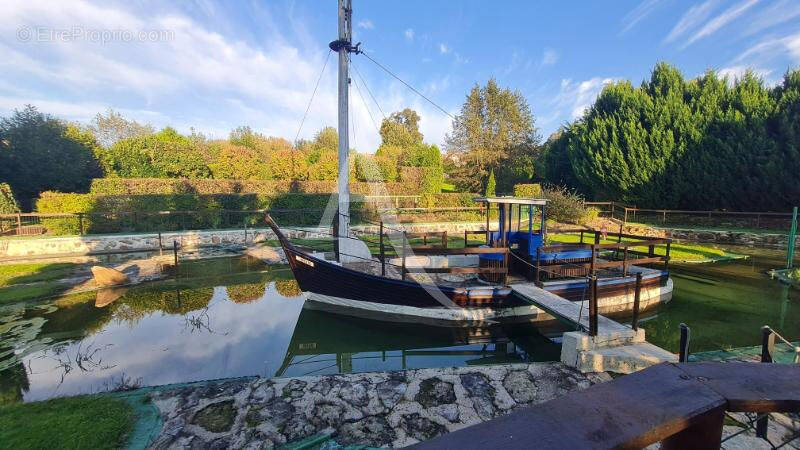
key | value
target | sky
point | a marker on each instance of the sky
(215, 65)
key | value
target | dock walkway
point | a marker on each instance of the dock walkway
(615, 348)
(574, 312)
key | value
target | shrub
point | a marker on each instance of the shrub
(529, 190)
(564, 205)
(8, 204)
(590, 216)
(491, 185)
(57, 202)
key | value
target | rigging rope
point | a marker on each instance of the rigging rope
(327, 58)
(368, 90)
(407, 85)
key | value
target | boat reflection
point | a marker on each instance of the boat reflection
(327, 340)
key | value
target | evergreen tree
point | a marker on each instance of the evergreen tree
(491, 185)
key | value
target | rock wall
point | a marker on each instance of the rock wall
(375, 409)
(83, 245)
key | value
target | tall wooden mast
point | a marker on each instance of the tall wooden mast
(343, 46)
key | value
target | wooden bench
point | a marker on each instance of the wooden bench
(682, 405)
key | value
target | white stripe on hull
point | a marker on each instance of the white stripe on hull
(477, 316)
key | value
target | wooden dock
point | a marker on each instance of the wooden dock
(574, 312)
(615, 347)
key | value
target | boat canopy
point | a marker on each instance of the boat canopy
(514, 231)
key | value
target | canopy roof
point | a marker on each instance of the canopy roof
(512, 200)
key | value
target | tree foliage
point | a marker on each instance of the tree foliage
(705, 143)
(495, 130)
(401, 129)
(39, 152)
(110, 127)
(8, 204)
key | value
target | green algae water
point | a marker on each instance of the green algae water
(234, 317)
(725, 304)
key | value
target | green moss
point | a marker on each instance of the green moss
(91, 422)
(216, 417)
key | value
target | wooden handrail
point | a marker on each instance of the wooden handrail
(456, 251)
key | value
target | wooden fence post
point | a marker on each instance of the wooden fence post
(636, 300)
(383, 254)
(593, 307)
(683, 355)
(403, 249)
(767, 352)
(444, 239)
(175, 255)
(19, 223)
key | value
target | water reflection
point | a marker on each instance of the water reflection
(212, 327)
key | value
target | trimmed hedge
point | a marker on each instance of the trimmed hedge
(140, 186)
(530, 190)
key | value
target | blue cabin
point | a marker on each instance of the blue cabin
(522, 228)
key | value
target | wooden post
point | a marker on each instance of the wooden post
(538, 265)
(666, 256)
(767, 350)
(596, 237)
(403, 249)
(625, 219)
(593, 307)
(581, 236)
(505, 265)
(488, 210)
(594, 260)
(80, 223)
(19, 223)
(704, 432)
(465, 239)
(636, 300)
(424, 238)
(683, 355)
(175, 255)
(625, 262)
(160, 247)
(619, 236)
(383, 254)
(651, 250)
(444, 239)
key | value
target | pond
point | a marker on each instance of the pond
(230, 317)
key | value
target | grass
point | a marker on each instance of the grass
(90, 422)
(677, 252)
(15, 280)
(34, 272)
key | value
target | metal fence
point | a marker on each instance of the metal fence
(710, 219)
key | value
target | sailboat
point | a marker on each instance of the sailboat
(462, 286)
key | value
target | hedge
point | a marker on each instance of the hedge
(531, 190)
(139, 186)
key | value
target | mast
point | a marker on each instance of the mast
(343, 47)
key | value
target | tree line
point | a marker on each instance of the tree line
(703, 143)
(39, 152)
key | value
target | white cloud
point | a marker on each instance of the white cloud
(778, 13)
(577, 97)
(365, 24)
(549, 57)
(638, 14)
(443, 48)
(691, 18)
(409, 34)
(770, 49)
(733, 73)
(727, 16)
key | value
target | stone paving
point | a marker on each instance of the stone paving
(392, 409)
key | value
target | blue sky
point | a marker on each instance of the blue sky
(216, 65)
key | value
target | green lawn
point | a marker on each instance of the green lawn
(33, 272)
(96, 422)
(677, 252)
